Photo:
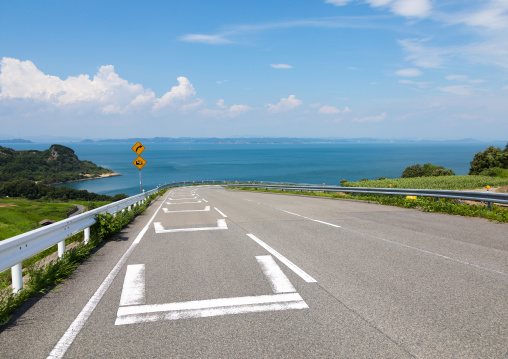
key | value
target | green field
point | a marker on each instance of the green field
(19, 215)
(441, 182)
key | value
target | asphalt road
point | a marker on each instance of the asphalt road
(215, 273)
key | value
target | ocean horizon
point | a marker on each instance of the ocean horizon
(314, 163)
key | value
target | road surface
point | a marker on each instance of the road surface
(216, 273)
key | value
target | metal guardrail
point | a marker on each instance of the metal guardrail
(489, 197)
(14, 250)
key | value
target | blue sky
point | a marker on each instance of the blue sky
(420, 69)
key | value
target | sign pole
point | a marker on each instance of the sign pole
(140, 190)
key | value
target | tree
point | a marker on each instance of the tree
(490, 158)
(427, 170)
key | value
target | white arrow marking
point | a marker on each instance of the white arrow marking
(159, 228)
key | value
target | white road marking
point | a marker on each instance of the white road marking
(430, 253)
(204, 200)
(278, 280)
(222, 214)
(183, 202)
(159, 228)
(284, 260)
(133, 292)
(311, 219)
(70, 334)
(209, 308)
(181, 199)
(207, 209)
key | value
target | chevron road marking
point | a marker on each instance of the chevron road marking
(159, 228)
(207, 209)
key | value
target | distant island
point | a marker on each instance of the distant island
(58, 164)
(18, 140)
(262, 140)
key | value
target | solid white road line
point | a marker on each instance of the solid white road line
(284, 260)
(209, 308)
(66, 340)
(133, 292)
(159, 228)
(315, 220)
(222, 214)
(183, 202)
(207, 209)
(278, 280)
(181, 199)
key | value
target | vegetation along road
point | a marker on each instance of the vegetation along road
(210, 272)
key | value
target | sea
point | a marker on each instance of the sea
(314, 163)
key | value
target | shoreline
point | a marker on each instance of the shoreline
(104, 175)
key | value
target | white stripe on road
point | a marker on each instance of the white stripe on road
(284, 260)
(66, 340)
(204, 200)
(183, 202)
(209, 308)
(278, 280)
(315, 220)
(222, 214)
(207, 209)
(181, 199)
(159, 228)
(133, 292)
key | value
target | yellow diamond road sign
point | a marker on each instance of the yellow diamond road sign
(139, 162)
(138, 148)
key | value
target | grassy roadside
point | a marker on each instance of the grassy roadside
(41, 279)
(425, 204)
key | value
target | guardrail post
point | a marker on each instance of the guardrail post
(61, 248)
(17, 277)
(86, 234)
(489, 205)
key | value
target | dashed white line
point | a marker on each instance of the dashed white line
(222, 214)
(311, 219)
(284, 260)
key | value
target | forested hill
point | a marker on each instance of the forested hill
(54, 165)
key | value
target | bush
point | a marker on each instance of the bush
(490, 158)
(427, 170)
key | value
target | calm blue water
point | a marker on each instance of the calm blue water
(302, 163)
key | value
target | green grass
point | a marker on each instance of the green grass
(441, 182)
(19, 215)
(42, 279)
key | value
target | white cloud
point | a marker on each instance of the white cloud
(347, 109)
(221, 82)
(423, 56)
(281, 66)
(285, 104)
(179, 96)
(112, 94)
(352, 68)
(420, 84)
(493, 15)
(463, 78)
(328, 110)
(504, 87)
(224, 111)
(206, 39)
(411, 8)
(407, 8)
(378, 118)
(409, 72)
(338, 2)
(462, 90)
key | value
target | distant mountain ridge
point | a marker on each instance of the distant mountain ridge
(57, 164)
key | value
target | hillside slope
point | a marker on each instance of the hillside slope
(55, 165)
